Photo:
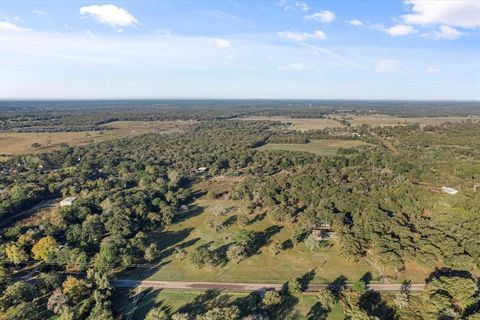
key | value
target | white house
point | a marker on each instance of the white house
(67, 201)
(449, 190)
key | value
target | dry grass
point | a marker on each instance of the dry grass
(302, 124)
(386, 120)
(19, 143)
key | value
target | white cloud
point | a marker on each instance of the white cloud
(433, 69)
(222, 43)
(39, 12)
(289, 4)
(445, 32)
(400, 30)
(110, 14)
(322, 16)
(355, 22)
(297, 67)
(7, 26)
(303, 36)
(302, 5)
(460, 13)
(386, 66)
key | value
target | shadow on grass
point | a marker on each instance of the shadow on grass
(371, 301)
(338, 285)
(230, 221)
(257, 218)
(208, 300)
(306, 279)
(264, 236)
(141, 303)
(284, 310)
(317, 312)
(192, 212)
(170, 238)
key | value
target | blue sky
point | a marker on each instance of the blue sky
(398, 49)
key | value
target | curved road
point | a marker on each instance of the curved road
(178, 285)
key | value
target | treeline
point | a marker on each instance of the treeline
(52, 116)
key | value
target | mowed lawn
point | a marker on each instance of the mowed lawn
(262, 267)
(135, 304)
(322, 147)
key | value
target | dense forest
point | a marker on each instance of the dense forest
(379, 198)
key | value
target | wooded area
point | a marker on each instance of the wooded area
(382, 198)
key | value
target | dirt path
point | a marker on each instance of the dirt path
(41, 205)
(202, 286)
(385, 142)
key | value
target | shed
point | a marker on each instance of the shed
(323, 232)
(67, 201)
(449, 190)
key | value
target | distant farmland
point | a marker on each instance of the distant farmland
(20, 143)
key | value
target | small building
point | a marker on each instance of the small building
(323, 232)
(449, 190)
(201, 169)
(67, 201)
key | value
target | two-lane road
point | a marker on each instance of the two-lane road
(179, 285)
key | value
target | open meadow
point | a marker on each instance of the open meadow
(192, 230)
(20, 143)
(387, 120)
(302, 124)
(335, 121)
(320, 146)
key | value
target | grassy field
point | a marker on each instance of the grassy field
(323, 147)
(332, 121)
(302, 123)
(16, 143)
(386, 120)
(193, 230)
(135, 304)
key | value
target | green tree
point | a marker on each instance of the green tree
(271, 298)
(226, 313)
(156, 314)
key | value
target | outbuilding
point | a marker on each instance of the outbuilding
(67, 201)
(323, 232)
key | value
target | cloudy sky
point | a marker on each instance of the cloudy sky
(397, 49)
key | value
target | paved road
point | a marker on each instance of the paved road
(177, 285)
